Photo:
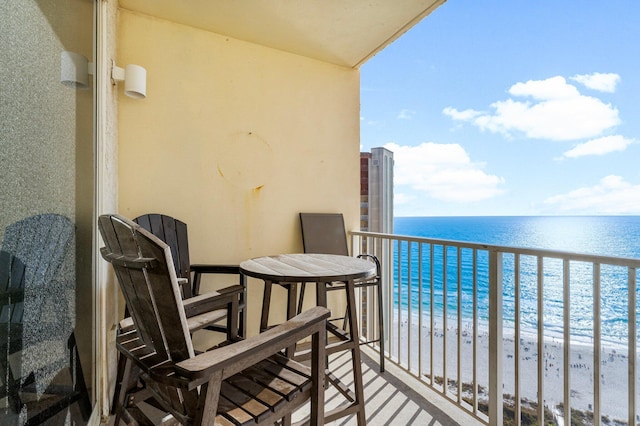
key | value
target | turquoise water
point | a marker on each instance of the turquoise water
(601, 235)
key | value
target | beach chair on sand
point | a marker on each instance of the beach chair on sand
(241, 382)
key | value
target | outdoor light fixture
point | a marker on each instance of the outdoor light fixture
(75, 70)
(134, 77)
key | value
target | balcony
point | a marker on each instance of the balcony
(393, 397)
(495, 356)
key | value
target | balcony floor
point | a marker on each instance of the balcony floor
(393, 397)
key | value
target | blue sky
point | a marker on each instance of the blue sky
(511, 107)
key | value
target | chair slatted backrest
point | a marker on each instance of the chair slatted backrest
(174, 233)
(33, 250)
(40, 242)
(324, 233)
(144, 267)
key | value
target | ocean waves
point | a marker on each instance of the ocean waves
(452, 279)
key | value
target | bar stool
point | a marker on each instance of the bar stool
(325, 233)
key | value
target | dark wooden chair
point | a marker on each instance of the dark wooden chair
(325, 233)
(198, 308)
(174, 233)
(244, 382)
(33, 251)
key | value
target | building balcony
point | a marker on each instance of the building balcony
(393, 397)
(488, 353)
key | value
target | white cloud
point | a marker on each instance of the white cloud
(556, 111)
(406, 114)
(599, 146)
(612, 195)
(465, 115)
(603, 82)
(443, 172)
(549, 89)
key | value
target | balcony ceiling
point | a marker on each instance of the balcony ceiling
(342, 32)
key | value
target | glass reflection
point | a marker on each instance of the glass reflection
(46, 171)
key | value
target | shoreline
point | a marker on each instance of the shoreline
(525, 332)
(613, 369)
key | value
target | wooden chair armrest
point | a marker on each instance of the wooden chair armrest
(198, 304)
(207, 302)
(238, 356)
(199, 269)
(215, 269)
(126, 324)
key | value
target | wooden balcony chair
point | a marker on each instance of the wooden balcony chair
(173, 232)
(33, 310)
(243, 382)
(325, 233)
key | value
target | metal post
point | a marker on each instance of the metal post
(495, 338)
(632, 345)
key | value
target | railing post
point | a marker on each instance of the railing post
(631, 320)
(495, 338)
(387, 285)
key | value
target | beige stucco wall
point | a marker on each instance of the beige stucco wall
(234, 139)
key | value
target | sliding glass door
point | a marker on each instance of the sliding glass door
(47, 144)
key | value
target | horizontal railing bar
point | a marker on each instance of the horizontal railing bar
(555, 254)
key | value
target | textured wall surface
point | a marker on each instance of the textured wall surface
(235, 139)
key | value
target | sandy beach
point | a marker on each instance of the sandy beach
(613, 377)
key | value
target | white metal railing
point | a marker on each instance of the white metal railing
(510, 331)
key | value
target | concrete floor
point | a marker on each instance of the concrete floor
(393, 397)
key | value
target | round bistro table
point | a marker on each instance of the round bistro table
(288, 270)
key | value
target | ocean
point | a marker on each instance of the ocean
(601, 235)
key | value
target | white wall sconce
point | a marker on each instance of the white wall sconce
(75, 70)
(134, 77)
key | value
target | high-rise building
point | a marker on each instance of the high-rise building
(376, 215)
(376, 190)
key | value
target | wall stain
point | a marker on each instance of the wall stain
(241, 162)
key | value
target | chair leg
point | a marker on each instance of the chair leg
(345, 320)
(242, 322)
(303, 287)
(124, 388)
(292, 292)
(266, 302)
(119, 379)
(355, 355)
(379, 301)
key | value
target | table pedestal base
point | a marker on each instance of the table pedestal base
(343, 341)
